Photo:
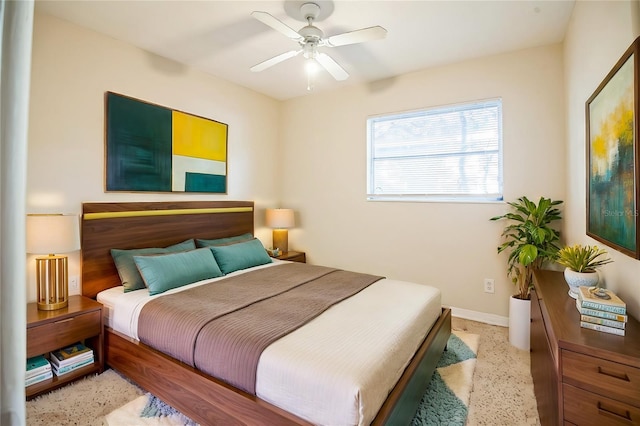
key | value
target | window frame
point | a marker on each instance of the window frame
(467, 198)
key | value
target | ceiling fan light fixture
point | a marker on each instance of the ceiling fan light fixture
(310, 50)
(311, 67)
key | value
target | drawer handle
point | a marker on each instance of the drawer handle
(621, 376)
(64, 320)
(608, 413)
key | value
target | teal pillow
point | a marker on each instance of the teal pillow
(240, 256)
(166, 271)
(223, 241)
(129, 275)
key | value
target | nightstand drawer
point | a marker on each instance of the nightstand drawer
(599, 375)
(300, 257)
(51, 336)
(586, 408)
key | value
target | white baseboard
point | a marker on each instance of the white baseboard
(480, 316)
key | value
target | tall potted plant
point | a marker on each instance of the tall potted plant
(530, 241)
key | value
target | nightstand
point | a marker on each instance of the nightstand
(293, 256)
(51, 330)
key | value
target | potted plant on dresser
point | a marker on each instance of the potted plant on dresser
(530, 241)
(581, 265)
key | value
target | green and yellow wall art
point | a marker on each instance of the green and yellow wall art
(153, 148)
(612, 157)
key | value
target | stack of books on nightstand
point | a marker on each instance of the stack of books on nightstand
(68, 359)
(38, 370)
(601, 310)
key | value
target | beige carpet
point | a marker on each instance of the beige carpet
(502, 384)
(502, 389)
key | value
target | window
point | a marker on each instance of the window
(444, 153)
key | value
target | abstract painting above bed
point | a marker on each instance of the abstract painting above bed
(154, 148)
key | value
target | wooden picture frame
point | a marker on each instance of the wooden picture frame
(153, 148)
(613, 167)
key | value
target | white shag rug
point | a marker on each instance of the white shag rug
(82, 403)
(147, 410)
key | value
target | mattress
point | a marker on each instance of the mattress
(334, 369)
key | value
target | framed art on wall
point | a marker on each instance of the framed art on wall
(612, 156)
(153, 148)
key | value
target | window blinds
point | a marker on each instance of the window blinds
(445, 153)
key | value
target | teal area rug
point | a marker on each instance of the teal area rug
(445, 402)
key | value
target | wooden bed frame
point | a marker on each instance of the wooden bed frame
(204, 399)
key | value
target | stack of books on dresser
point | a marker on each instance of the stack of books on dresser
(601, 310)
(38, 370)
(68, 359)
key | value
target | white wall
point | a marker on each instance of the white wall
(72, 68)
(598, 34)
(449, 245)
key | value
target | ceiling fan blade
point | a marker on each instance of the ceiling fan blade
(277, 25)
(275, 60)
(332, 67)
(357, 36)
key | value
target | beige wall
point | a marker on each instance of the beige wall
(598, 34)
(449, 245)
(71, 70)
(309, 153)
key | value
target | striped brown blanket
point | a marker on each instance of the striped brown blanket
(222, 328)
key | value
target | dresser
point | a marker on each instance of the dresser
(580, 376)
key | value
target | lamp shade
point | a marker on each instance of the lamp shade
(52, 233)
(280, 218)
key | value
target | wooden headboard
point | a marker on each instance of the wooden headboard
(151, 224)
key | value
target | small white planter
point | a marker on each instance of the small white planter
(519, 322)
(576, 279)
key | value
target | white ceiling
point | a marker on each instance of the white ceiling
(221, 37)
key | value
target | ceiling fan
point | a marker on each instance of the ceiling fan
(311, 37)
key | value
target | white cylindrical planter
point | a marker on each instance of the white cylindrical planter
(519, 322)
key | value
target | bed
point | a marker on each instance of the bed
(209, 400)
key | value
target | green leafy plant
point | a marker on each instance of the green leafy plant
(581, 258)
(529, 239)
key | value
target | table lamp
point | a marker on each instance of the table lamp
(280, 220)
(52, 233)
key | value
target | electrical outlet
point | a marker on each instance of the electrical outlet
(73, 285)
(489, 285)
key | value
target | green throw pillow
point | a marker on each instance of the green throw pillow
(223, 241)
(240, 256)
(166, 271)
(129, 275)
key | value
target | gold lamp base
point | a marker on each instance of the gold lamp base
(52, 282)
(281, 239)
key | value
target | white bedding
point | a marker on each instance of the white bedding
(333, 370)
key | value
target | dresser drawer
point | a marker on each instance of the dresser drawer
(51, 336)
(618, 381)
(586, 408)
